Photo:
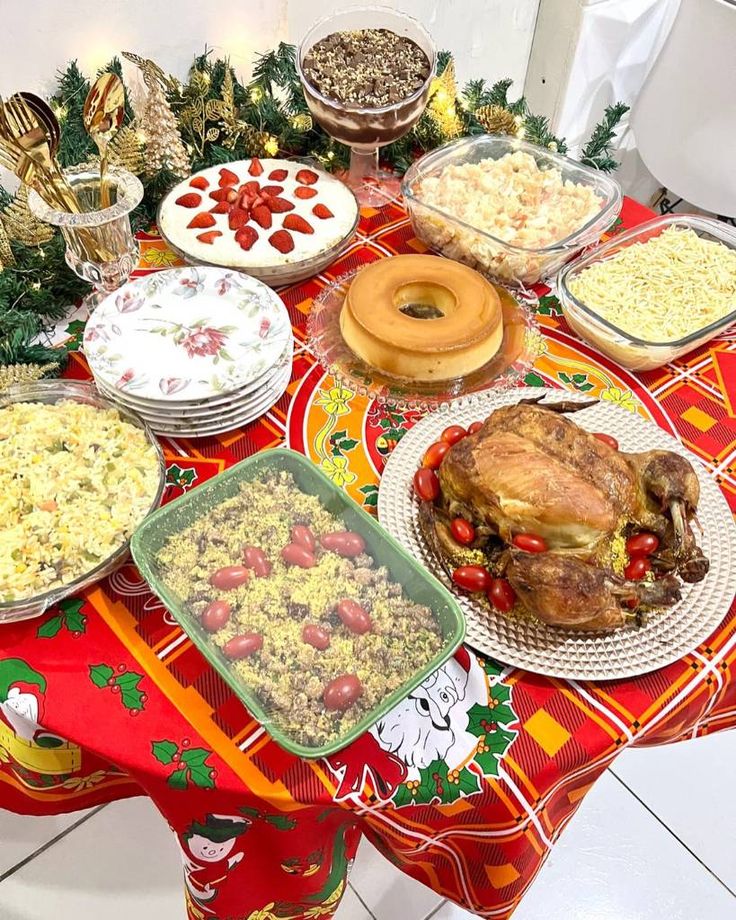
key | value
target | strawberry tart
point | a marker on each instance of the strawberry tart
(277, 220)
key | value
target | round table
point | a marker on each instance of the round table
(104, 697)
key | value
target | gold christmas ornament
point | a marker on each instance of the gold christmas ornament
(6, 253)
(153, 115)
(20, 225)
(497, 120)
(201, 116)
(442, 108)
(127, 150)
(23, 373)
(301, 122)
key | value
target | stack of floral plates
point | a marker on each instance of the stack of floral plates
(194, 351)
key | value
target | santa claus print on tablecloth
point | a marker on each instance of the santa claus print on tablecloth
(438, 744)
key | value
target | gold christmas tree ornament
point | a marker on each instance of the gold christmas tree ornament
(164, 146)
(20, 225)
(6, 253)
(126, 150)
(23, 373)
(497, 120)
(442, 107)
(301, 122)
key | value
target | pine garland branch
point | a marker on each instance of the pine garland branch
(597, 152)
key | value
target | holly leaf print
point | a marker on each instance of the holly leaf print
(50, 628)
(403, 796)
(549, 305)
(533, 380)
(99, 674)
(370, 495)
(178, 779)
(195, 757)
(75, 330)
(74, 619)
(200, 776)
(130, 695)
(183, 478)
(164, 752)
(281, 822)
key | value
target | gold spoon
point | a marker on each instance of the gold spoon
(103, 114)
(46, 116)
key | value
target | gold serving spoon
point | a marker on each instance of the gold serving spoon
(103, 114)
(46, 116)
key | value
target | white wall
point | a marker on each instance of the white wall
(490, 38)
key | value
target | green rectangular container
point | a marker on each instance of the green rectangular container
(417, 583)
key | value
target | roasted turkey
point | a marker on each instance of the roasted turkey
(532, 470)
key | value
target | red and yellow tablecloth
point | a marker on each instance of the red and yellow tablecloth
(104, 697)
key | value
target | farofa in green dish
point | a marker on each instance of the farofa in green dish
(287, 674)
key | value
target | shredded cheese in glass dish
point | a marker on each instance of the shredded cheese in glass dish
(661, 290)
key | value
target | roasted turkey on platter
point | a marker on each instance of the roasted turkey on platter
(554, 512)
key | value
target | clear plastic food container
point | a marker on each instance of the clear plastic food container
(54, 391)
(623, 347)
(282, 616)
(502, 261)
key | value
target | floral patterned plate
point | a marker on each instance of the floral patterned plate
(186, 334)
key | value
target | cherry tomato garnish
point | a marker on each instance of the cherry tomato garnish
(229, 577)
(256, 559)
(316, 636)
(642, 544)
(501, 595)
(606, 439)
(435, 454)
(530, 543)
(342, 692)
(354, 616)
(472, 578)
(242, 646)
(215, 616)
(462, 531)
(637, 568)
(475, 426)
(426, 484)
(301, 534)
(296, 554)
(345, 543)
(453, 434)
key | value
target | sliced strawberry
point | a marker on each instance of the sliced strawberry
(190, 200)
(199, 182)
(262, 216)
(322, 211)
(224, 194)
(272, 189)
(279, 205)
(297, 223)
(237, 218)
(278, 175)
(282, 240)
(209, 236)
(246, 236)
(251, 187)
(306, 177)
(202, 220)
(255, 168)
(304, 192)
(227, 177)
(222, 207)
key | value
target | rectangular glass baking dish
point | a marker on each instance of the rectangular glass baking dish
(504, 262)
(626, 349)
(418, 585)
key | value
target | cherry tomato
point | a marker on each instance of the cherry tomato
(463, 531)
(302, 535)
(530, 543)
(637, 568)
(345, 543)
(316, 636)
(354, 616)
(296, 554)
(501, 595)
(475, 426)
(215, 616)
(342, 692)
(472, 578)
(453, 434)
(426, 484)
(642, 544)
(242, 646)
(229, 577)
(435, 454)
(256, 559)
(606, 439)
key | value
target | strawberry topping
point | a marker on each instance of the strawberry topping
(237, 218)
(245, 237)
(227, 177)
(278, 175)
(202, 220)
(209, 236)
(190, 200)
(199, 182)
(222, 207)
(322, 211)
(297, 223)
(306, 177)
(255, 168)
(281, 240)
(262, 216)
(272, 189)
(279, 205)
(304, 192)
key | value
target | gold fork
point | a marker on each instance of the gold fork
(30, 136)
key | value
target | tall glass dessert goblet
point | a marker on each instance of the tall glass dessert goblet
(352, 120)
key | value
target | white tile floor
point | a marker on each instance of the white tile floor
(656, 838)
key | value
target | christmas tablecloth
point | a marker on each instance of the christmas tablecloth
(104, 697)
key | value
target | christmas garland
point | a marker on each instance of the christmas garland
(177, 128)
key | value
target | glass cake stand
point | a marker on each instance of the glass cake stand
(514, 359)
